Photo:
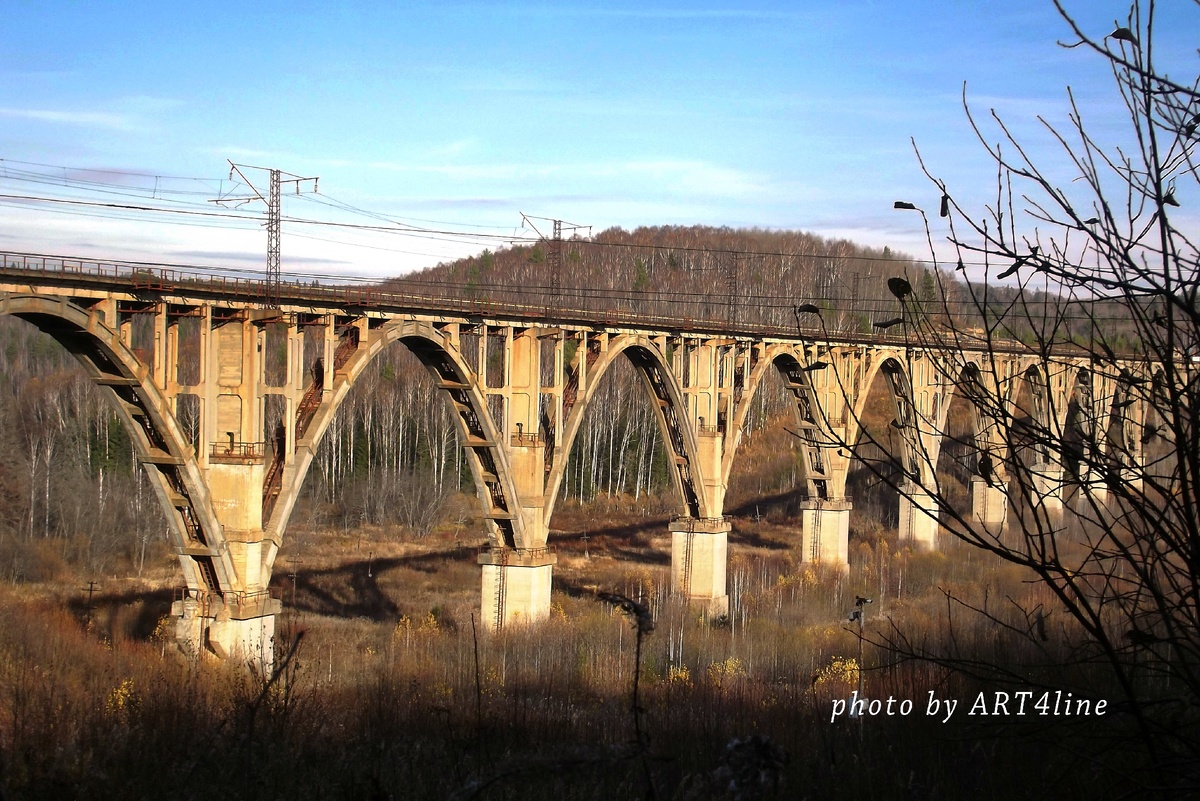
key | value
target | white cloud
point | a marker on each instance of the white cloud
(90, 119)
(135, 113)
(655, 176)
(690, 178)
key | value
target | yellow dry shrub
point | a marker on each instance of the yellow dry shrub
(648, 584)
(785, 580)
(493, 680)
(163, 629)
(406, 628)
(679, 676)
(721, 672)
(121, 699)
(841, 671)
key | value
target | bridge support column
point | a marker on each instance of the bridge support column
(516, 586)
(825, 532)
(989, 504)
(1048, 488)
(699, 556)
(918, 517)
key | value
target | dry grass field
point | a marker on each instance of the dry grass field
(390, 689)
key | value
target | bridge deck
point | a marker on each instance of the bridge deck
(179, 284)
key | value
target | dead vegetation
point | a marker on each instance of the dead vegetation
(392, 691)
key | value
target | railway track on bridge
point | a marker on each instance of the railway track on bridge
(151, 282)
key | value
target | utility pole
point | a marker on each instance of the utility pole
(274, 229)
(556, 259)
(91, 589)
(860, 614)
(731, 289)
(274, 203)
(554, 249)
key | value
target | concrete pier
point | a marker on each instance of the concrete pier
(918, 518)
(825, 533)
(515, 586)
(699, 554)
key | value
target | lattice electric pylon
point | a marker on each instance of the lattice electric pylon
(274, 204)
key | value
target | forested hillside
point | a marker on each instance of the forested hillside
(748, 277)
(720, 274)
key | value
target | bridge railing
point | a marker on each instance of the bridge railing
(524, 439)
(228, 597)
(500, 555)
(690, 519)
(237, 451)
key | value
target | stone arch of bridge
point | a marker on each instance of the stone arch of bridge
(162, 449)
(1124, 416)
(1162, 395)
(984, 384)
(1082, 427)
(986, 440)
(478, 432)
(821, 483)
(968, 387)
(915, 455)
(1038, 404)
(1158, 401)
(671, 411)
(1034, 380)
(871, 364)
(1157, 438)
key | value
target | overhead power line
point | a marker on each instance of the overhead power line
(68, 178)
(103, 170)
(178, 199)
(462, 235)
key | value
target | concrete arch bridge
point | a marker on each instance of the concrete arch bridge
(183, 358)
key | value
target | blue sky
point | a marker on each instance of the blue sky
(460, 116)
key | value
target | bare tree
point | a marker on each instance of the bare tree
(1094, 439)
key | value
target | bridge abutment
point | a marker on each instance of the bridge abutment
(515, 586)
(825, 532)
(699, 556)
(236, 623)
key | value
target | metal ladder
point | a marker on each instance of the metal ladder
(687, 557)
(501, 580)
(814, 545)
